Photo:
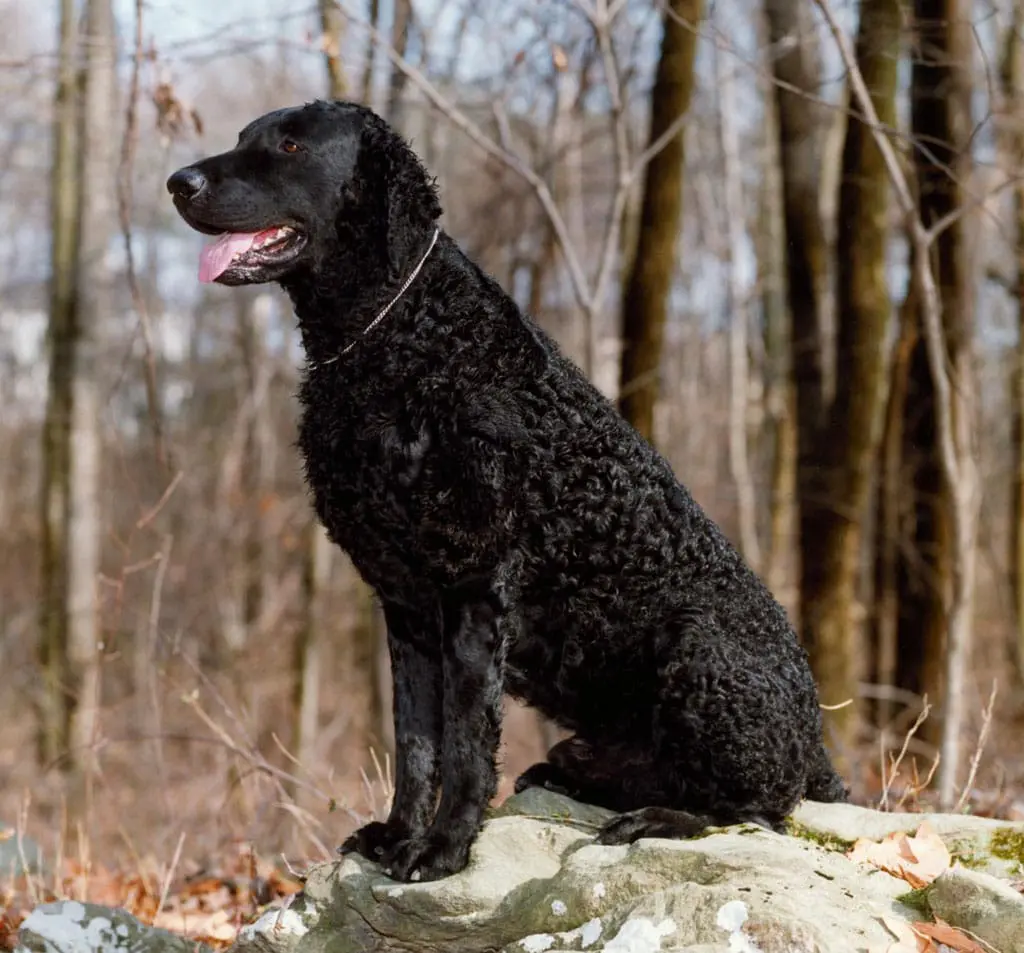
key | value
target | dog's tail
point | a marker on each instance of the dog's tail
(823, 781)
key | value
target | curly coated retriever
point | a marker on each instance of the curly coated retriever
(521, 536)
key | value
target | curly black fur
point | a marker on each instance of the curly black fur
(521, 536)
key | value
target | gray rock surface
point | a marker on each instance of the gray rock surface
(979, 843)
(537, 883)
(72, 927)
(982, 905)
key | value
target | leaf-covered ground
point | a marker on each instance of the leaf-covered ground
(203, 904)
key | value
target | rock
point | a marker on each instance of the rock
(538, 883)
(72, 927)
(979, 843)
(983, 906)
(18, 855)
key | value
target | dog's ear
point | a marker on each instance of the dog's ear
(403, 194)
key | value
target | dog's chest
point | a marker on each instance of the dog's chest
(393, 494)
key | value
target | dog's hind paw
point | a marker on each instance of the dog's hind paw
(545, 775)
(652, 822)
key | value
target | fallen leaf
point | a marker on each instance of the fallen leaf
(917, 859)
(907, 940)
(949, 936)
(215, 925)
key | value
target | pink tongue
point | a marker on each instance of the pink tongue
(216, 256)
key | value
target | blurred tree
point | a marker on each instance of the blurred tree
(82, 220)
(401, 23)
(771, 263)
(54, 701)
(332, 25)
(1013, 95)
(97, 156)
(846, 446)
(647, 285)
(941, 88)
(802, 123)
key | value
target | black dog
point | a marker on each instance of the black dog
(521, 536)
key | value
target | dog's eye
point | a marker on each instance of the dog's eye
(290, 147)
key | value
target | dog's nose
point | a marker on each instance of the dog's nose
(186, 183)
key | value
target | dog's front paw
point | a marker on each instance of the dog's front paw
(428, 857)
(375, 840)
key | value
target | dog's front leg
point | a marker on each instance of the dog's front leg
(417, 678)
(474, 641)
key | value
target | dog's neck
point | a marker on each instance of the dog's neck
(338, 298)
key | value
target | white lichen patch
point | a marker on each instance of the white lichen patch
(590, 932)
(731, 917)
(66, 928)
(640, 936)
(599, 891)
(558, 908)
(278, 922)
(537, 943)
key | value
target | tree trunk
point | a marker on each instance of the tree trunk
(332, 25)
(1013, 92)
(366, 84)
(771, 259)
(848, 441)
(307, 661)
(941, 117)
(98, 169)
(890, 521)
(401, 22)
(802, 127)
(645, 298)
(53, 704)
(739, 369)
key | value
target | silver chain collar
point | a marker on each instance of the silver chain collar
(384, 311)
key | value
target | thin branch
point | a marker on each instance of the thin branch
(986, 724)
(510, 159)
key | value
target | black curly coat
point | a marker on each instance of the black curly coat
(521, 536)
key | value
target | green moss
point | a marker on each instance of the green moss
(917, 900)
(967, 858)
(821, 838)
(1007, 843)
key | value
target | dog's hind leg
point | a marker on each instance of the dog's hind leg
(731, 744)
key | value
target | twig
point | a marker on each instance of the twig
(150, 515)
(883, 803)
(986, 724)
(20, 840)
(839, 707)
(169, 875)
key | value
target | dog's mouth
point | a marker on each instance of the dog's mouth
(248, 257)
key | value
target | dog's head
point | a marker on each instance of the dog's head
(304, 184)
